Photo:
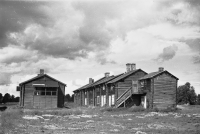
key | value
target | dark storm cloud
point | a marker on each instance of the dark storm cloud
(15, 16)
(167, 54)
(45, 28)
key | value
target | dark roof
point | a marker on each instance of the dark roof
(98, 82)
(124, 76)
(88, 85)
(106, 80)
(40, 76)
(154, 74)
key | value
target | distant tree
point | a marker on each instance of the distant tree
(1, 98)
(67, 97)
(6, 98)
(16, 99)
(72, 97)
(198, 99)
(12, 98)
(186, 94)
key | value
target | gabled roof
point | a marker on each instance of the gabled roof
(124, 75)
(88, 85)
(106, 80)
(154, 74)
(98, 82)
(40, 76)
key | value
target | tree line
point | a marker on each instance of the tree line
(69, 98)
(186, 95)
(8, 98)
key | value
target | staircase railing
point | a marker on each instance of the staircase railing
(124, 97)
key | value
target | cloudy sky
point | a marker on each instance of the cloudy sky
(76, 40)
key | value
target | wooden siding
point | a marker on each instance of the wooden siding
(45, 102)
(29, 100)
(127, 82)
(28, 95)
(164, 94)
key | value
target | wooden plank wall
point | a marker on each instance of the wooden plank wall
(28, 95)
(164, 91)
(31, 101)
(127, 83)
(90, 97)
(149, 92)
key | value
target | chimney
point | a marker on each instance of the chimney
(41, 72)
(107, 74)
(133, 66)
(128, 67)
(160, 69)
(91, 80)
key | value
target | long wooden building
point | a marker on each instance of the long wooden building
(135, 87)
(42, 91)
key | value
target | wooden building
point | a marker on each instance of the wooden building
(135, 87)
(42, 91)
(161, 89)
(109, 90)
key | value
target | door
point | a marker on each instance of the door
(45, 97)
(134, 86)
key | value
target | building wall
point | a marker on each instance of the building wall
(122, 86)
(164, 94)
(29, 100)
(28, 95)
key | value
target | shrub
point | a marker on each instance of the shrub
(136, 109)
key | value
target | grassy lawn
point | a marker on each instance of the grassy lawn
(100, 121)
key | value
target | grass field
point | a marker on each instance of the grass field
(101, 121)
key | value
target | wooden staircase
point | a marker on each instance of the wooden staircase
(128, 93)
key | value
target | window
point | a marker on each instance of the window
(110, 100)
(48, 91)
(111, 88)
(103, 100)
(103, 87)
(113, 99)
(85, 101)
(142, 83)
(98, 99)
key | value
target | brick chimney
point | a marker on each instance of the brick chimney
(130, 67)
(160, 69)
(107, 74)
(133, 66)
(41, 72)
(91, 80)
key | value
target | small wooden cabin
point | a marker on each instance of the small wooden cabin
(161, 89)
(42, 91)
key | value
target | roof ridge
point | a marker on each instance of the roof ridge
(38, 76)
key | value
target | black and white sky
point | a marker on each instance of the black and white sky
(74, 40)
